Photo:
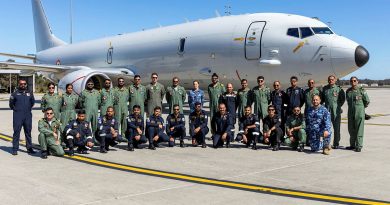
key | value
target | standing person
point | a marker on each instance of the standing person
(21, 103)
(135, 129)
(155, 127)
(261, 98)
(69, 104)
(195, 95)
(358, 100)
(279, 99)
(90, 101)
(121, 95)
(78, 133)
(176, 95)
(229, 98)
(249, 130)
(107, 97)
(215, 90)
(295, 95)
(309, 93)
(334, 98)
(244, 97)
(49, 129)
(155, 94)
(221, 126)
(271, 129)
(318, 126)
(176, 126)
(138, 95)
(108, 130)
(296, 133)
(53, 100)
(198, 126)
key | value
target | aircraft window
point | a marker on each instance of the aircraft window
(322, 30)
(306, 32)
(293, 32)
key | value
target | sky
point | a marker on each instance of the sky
(365, 22)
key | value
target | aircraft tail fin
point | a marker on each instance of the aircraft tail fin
(44, 38)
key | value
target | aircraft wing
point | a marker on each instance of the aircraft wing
(33, 67)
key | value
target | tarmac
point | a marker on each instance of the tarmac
(193, 175)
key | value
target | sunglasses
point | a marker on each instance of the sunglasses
(260, 80)
(154, 77)
(137, 79)
(176, 109)
(49, 113)
(276, 85)
(90, 84)
(311, 82)
(353, 80)
(271, 109)
(51, 87)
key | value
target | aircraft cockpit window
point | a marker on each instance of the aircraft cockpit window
(322, 30)
(306, 32)
(293, 32)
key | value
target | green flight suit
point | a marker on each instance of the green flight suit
(299, 135)
(90, 101)
(137, 97)
(334, 99)
(215, 92)
(176, 96)
(107, 98)
(244, 97)
(54, 101)
(46, 139)
(68, 109)
(309, 94)
(357, 102)
(155, 95)
(122, 96)
(261, 98)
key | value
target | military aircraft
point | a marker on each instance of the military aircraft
(274, 45)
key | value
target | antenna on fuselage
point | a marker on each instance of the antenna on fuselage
(71, 20)
(217, 13)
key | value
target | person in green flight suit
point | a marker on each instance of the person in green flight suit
(122, 96)
(49, 135)
(176, 94)
(90, 101)
(261, 96)
(357, 100)
(215, 90)
(309, 93)
(68, 105)
(138, 94)
(244, 95)
(107, 97)
(155, 94)
(295, 129)
(53, 100)
(334, 98)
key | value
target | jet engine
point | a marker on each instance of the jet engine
(80, 78)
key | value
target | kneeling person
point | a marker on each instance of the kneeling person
(198, 125)
(221, 126)
(295, 130)
(49, 140)
(78, 133)
(249, 128)
(108, 130)
(271, 129)
(176, 126)
(155, 127)
(135, 129)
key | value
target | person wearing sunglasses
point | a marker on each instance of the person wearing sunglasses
(175, 127)
(261, 98)
(249, 128)
(138, 95)
(176, 95)
(156, 129)
(198, 126)
(295, 129)
(53, 100)
(107, 97)
(21, 102)
(334, 98)
(121, 100)
(358, 101)
(279, 99)
(90, 101)
(271, 129)
(215, 90)
(68, 105)
(309, 93)
(49, 129)
(155, 94)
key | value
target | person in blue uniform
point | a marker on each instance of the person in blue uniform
(198, 126)
(155, 127)
(21, 103)
(108, 133)
(296, 96)
(78, 133)
(221, 126)
(271, 129)
(195, 95)
(176, 126)
(318, 126)
(135, 129)
(249, 128)
(279, 99)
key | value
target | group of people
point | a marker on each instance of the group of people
(73, 120)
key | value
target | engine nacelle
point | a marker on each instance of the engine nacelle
(80, 78)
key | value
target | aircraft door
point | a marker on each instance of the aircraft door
(253, 40)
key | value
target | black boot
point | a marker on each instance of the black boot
(31, 151)
(103, 150)
(71, 152)
(204, 145)
(254, 147)
(44, 154)
(181, 143)
(301, 147)
(152, 147)
(130, 147)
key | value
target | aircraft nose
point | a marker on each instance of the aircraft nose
(361, 56)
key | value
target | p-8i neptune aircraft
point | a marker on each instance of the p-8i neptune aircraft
(273, 45)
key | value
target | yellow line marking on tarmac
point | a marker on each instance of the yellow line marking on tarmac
(221, 183)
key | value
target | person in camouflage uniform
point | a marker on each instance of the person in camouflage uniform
(155, 94)
(68, 105)
(90, 101)
(176, 94)
(53, 100)
(215, 90)
(357, 100)
(121, 99)
(244, 97)
(138, 95)
(107, 97)
(261, 98)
